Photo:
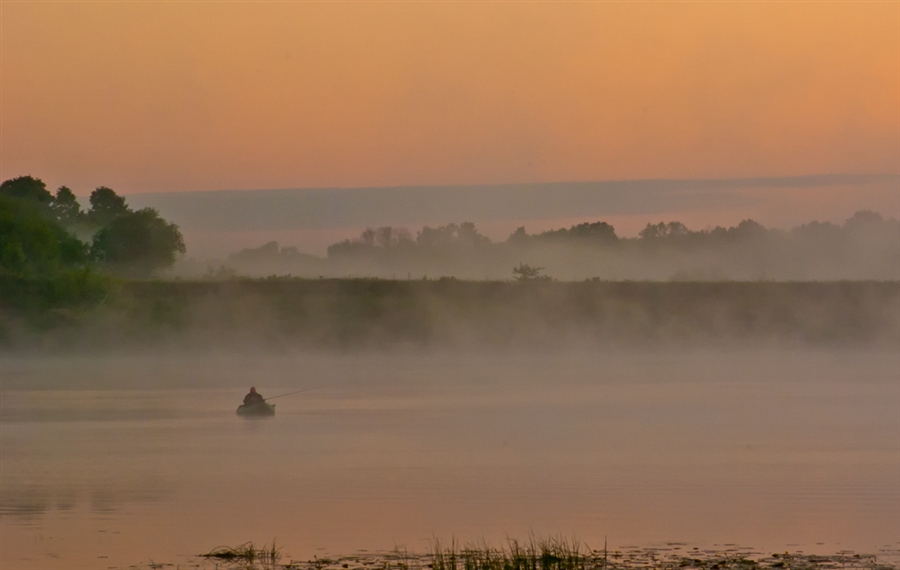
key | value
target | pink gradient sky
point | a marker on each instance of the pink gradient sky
(149, 97)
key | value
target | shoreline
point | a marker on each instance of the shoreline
(557, 556)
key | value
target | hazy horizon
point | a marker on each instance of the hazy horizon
(781, 113)
(218, 222)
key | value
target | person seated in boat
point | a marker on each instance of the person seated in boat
(253, 397)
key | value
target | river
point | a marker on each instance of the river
(108, 461)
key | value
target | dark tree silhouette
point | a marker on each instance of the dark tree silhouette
(27, 188)
(749, 230)
(519, 237)
(595, 232)
(524, 272)
(389, 237)
(106, 206)
(452, 235)
(664, 230)
(469, 237)
(373, 242)
(65, 207)
(863, 220)
(138, 243)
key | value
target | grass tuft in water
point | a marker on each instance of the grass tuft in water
(546, 554)
(246, 552)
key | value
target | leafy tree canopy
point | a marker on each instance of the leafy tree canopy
(32, 242)
(27, 188)
(138, 243)
(65, 207)
(35, 237)
(106, 206)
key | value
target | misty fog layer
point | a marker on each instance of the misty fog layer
(865, 247)
(296, 314)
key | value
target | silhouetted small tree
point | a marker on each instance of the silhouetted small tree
(524, 272)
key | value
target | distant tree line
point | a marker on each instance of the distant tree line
(602, 234)
(865, 246)
(271, 254)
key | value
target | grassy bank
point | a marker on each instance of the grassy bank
(288, 313)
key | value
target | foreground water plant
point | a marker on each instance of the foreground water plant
(546, 554)
(246, 552)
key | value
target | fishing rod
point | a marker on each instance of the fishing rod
(295, 392)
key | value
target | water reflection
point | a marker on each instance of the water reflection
(26, 504)
(45, 406)
(68, 415)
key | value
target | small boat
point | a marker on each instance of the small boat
(257, 409)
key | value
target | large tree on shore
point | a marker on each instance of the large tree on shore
(32, 242)
(35, 235)
(138, 243)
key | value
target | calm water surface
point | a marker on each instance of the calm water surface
(108, 462)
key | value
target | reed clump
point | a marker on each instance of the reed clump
(247, 552)
(545, 554)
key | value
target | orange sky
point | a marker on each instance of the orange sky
(153, 96)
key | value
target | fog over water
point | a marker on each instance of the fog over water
(123, 459)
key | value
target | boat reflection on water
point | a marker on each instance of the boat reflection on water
(256, 410)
